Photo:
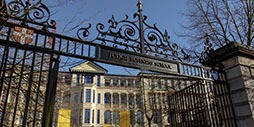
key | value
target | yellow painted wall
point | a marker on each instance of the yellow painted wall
(107, 125)
(64, 118)
(125, 119)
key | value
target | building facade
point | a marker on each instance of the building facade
(100, 99)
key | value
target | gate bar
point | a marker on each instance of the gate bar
(48, 110)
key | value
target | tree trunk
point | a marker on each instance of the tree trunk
(149, 123)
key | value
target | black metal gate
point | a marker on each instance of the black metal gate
(29, 61)
(28, 81)
(205, 103)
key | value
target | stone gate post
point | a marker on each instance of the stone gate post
(238, 64)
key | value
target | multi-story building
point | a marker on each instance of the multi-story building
(98, 99)
(15, 104)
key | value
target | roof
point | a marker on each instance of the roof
(89, 67)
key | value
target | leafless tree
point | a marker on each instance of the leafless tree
(224, 21)
(155, 91)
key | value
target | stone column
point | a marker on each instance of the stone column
(238, 64)
(127, 98)
(119, 102)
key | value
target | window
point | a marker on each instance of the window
(131, 99)
(81, 96)
(98, 116)
(137, 83)
(1, 115)
(179, 84)
(157, 116)
(99, 98)
(80, 116)
(130, 83)
(88, 95)
(87, 115)
(107, 98)
(107, 117)
(115, 98)
(93, 96)
(122, 83)
(151, 98)
(172, 84)
(154, 98)
(76, 97)
(164, 98)
(4, 97)
(123, 99)
(98, 80)
(88, 79)
(159, 98)
(116, 118)
(159, 84)
(139, 100)
(77, 82)
(166, 84)
(115, 82)
(93, 116)
(107, 82)
(68, 79)
(185, 83)
(140, 119)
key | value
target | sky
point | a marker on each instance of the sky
(166, 14)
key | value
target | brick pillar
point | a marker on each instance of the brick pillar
(238, 64)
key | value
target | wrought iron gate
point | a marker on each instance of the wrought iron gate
(29, 60)
(203, 104)
(28, 81)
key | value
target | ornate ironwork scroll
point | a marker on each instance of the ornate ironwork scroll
(135, 36)
(26, 11)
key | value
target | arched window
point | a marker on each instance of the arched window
(116, 118)
(131, 99)
(140, 117)
(139, 100)
(157, 116)
(107, 98)
(124, 100)
(107, 117)
(116, 99)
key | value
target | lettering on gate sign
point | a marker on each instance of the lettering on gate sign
(138, 61)
(118, 56)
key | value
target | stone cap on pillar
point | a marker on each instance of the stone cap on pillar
(228, 51)
(234, 49)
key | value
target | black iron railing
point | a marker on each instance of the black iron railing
(203, 104)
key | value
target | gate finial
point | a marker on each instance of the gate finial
(139, 5)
